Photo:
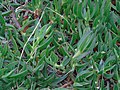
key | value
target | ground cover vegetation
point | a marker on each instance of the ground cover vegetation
(60, 44)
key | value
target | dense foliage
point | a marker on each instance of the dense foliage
(58, 44)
